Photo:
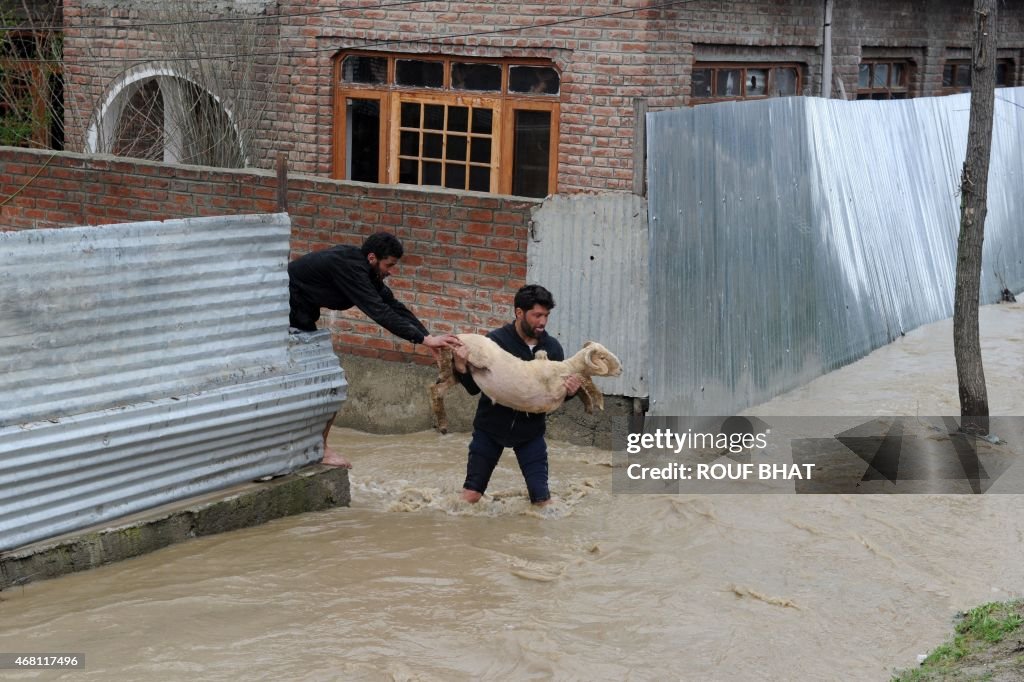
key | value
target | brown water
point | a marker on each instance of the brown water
(411, 584)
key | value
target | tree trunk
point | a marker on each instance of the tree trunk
(973, 209)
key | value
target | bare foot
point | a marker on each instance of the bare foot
(543, 503)
(333, 459)
(470, 496)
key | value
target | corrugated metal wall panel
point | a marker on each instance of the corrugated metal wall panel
(792, 236)
(98, 316)
(591, 253)
(194, 386)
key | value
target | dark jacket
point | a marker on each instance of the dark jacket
(340, 278)
(507, 426)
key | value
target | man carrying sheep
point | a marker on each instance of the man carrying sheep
(497, 427)
(345, 276)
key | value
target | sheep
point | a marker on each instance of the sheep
(535, 386)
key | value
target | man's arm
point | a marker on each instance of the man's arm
(356, 283)
(399, 308)
(460, 368)
(430, 341)
(572, 382)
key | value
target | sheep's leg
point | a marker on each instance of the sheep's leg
(590, 395)
(445, 380)
(586, 399)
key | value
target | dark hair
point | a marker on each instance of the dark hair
(534, 294)
(383, 245)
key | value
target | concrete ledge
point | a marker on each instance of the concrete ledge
(311, 489)
(392, 397)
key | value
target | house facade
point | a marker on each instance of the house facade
(527, 99)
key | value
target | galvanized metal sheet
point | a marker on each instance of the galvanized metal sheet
(150, 362)
(792, 236)
(591, 253)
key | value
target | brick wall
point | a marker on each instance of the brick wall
(607, 59)
(927, 32)
(465, 252)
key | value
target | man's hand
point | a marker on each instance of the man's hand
(436, 343)
(443, 341)
(460, 359)
(572, 384)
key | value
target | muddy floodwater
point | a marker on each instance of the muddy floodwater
(411, 584)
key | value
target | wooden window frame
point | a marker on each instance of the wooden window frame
(390, 96)
(508, 143)
(957, 64)
(889, 89)
(395, 126)
(770, 67)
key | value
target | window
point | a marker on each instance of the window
(956, 75)
(724, 81)
(170, 119)
(31, 90)
(487, 125)
(884, 79)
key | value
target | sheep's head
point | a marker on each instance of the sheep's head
(601, 361)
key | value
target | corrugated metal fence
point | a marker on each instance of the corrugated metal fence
(591, 253)
(791, 236)
(149, 362)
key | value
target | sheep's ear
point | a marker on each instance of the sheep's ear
(596, 360)
(588, 343)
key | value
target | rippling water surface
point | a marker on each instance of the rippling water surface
(411, 584)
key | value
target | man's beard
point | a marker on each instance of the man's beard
(527, 330)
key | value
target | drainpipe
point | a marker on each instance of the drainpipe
(826, 49)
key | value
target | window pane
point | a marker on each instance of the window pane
(458, 119)
(359, 69)
(482, 121)
(756, 82)
(362, 140)
(407, 171)
(431, 173)
(700, 82)
(433, 143)
(537, 80)
(963, 75)
(727, 83)
(864, 76)
(898, 75)
(433, 117)
(419, 73)
(456, 149)
(455, 176)
(409, 143)
(410, 115)
(530, 162)
(474, 76)
(881, 79)
(1002, 74)
(947, 76)
(480, 150)
(480, 179)
(785, 81)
